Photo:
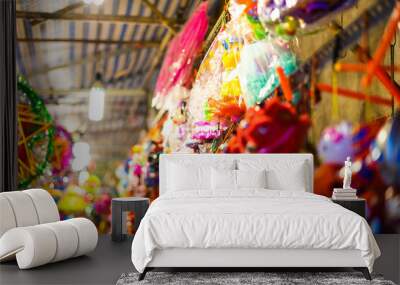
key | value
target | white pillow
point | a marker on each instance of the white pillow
(251, 178)
(281, 174)
(223, 179)
(183, 177)
(290, 177)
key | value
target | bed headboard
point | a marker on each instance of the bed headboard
(210, 159)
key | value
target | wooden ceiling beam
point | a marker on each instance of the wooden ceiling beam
(135, 92)
(104, 129)
(91, 17)
(134, 44)
(163, 20)
(88, 59)
(60, 12)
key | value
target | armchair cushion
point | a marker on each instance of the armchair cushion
(31, 230)
(40, 244)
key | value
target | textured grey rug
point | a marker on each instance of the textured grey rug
(230, 278)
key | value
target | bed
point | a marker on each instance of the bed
(234, 221)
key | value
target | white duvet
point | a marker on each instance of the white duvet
(253, 218)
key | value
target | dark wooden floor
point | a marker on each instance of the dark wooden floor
(103, 266)
(106, 264)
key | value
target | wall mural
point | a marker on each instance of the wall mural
(242, 84)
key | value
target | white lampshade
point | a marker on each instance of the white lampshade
(97, 97)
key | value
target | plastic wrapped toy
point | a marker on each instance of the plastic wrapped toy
(283, 17)
(257, 69)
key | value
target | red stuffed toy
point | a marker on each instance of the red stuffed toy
(274, 128)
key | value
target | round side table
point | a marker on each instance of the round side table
(119, 209)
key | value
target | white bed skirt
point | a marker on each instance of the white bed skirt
(192, 257)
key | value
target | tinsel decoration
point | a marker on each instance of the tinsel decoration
(35, 135)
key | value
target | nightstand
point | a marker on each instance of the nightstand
(119, 209)
(357, 205)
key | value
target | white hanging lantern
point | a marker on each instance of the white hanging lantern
(97, 98)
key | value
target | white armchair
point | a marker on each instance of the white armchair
(31, 230)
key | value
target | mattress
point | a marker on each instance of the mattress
(251, 219)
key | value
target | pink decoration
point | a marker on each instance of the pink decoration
(207, 135)
(183, 49)
(204, 130)
(102, 204)
(63, 150)
(137, 170)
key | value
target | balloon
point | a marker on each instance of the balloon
(120, 172)
(335, 144)
(137, 170)
(287, 28)
(102, 204)
(137, 148)
(92, 184)
(386, 151)
(72, 203)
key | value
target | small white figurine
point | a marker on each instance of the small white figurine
(347, 174)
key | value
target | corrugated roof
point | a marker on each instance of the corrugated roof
(65, 51)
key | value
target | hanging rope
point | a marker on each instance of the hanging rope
(392, 67)
(335, 97)
(363, 56)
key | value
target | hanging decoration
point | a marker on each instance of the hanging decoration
(35, 135)
(252, 94)
(62, 150)
(181, 54)
(217, 95)
(283, 18)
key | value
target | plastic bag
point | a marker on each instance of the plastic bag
(257, 69)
